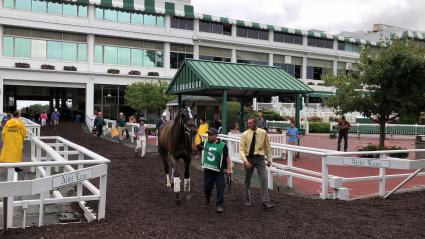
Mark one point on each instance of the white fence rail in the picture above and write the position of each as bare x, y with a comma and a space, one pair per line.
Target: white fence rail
56, 162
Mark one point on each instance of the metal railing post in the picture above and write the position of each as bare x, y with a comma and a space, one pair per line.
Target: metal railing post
324, 194
382, 179
290, 165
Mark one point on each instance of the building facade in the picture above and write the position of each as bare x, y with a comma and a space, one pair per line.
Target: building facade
87, 51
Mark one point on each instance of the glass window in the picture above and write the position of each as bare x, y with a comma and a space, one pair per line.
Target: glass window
69, 51
99, 13
124, 17
278, 37
173, 60
98, 54
136, 57
8, 3
159, 59
298, 39
204, 26
54, 7
82, 11
22, 47
263, 35
136, 18
160, 21
23, 4
189, 24
227, 29
110, 55
149, 58
182, 23
54, 50
123, 56
82, 52
174, 22
70, 10
149, 20
252, 33
288, 38
241, 32
39, 6
38, 49
217, 28
110, 15
7, 46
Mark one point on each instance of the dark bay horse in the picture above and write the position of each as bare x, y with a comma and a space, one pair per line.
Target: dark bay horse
175, 143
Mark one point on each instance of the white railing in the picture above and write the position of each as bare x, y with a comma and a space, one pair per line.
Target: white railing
57, 162
330, 157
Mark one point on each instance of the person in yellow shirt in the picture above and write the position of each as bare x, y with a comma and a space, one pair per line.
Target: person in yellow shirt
13, 135
255, 152
203, 128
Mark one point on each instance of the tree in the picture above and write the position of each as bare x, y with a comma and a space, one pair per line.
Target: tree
391, 83
147, 96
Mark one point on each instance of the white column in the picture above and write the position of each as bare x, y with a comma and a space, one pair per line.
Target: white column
304, 76
234, 60
167, 50
90, 52
167, 23
90, 97
1, 40
335, 67
234, 30
271, 36
270, 59
1, 95
196, 50
335, 44
196, 27
91, 13
305, 41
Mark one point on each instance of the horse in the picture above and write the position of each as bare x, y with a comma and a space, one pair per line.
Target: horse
176, 141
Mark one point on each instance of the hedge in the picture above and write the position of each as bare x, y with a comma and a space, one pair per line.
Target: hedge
319, 127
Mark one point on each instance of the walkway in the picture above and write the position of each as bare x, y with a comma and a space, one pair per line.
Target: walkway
139, 206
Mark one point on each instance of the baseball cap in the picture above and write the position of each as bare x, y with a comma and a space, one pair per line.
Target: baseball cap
212, 131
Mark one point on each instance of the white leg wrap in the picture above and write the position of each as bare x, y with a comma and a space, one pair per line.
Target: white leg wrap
168, 180
187, 185
177, 182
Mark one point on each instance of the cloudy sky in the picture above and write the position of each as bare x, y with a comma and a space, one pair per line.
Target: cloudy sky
332, 16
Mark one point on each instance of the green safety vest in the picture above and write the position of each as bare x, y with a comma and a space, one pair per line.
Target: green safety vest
212, 156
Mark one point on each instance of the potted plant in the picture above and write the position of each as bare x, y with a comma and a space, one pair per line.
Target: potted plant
113, 71
134, 73
47, 67
70, 68
153, 73
310, 83
22, 65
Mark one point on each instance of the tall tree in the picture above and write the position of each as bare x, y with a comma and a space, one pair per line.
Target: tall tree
391, 83
147, 96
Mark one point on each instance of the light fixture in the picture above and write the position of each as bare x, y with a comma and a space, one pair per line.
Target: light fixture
109, 94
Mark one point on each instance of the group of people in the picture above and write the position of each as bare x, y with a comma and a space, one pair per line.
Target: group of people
54, 118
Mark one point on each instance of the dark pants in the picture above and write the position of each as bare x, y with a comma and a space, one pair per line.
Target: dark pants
345, 136
99, 130
257, 162
210, 178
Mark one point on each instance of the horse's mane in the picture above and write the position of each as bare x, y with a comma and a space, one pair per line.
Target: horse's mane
177, 129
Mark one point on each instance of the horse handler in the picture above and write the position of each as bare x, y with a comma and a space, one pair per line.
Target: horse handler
216, 162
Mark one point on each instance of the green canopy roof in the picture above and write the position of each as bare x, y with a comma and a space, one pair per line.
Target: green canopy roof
209, 78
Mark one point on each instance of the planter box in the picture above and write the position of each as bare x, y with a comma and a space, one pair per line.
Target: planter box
113, 71
22, 65
47, 67
153, 73
70, 68
134, 73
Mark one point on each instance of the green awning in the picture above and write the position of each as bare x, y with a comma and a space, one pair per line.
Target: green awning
298, 32
106, 3
206, 17
255, 25
128, 4
150, 6
240, 23
170, 9
320, 94
224, 20
209, 78
270, 27
188, 11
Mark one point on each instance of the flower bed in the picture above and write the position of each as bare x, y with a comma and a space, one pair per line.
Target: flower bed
373, 147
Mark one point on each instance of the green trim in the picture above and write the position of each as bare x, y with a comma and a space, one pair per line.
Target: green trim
170, 9
224, 20
150, 6
207, 17
106, 3
188, 11
240, 23
298, 32
311, 34
323, 35
270, 27
255, 25
128, 4
320, 94
285, 30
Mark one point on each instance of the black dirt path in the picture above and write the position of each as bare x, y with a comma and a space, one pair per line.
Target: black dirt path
140, 206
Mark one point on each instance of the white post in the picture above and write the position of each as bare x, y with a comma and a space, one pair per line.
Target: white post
335, 67
90, 52
196, 50
290, 165
234, 58
91, 13
304, 68
90, 98
167, 52
10, 174
382, 178
234, 30
271, 59
324, 194
41, 210
307, 127
102, 199
167, 23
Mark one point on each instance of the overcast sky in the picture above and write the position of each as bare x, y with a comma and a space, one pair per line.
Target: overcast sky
332, 16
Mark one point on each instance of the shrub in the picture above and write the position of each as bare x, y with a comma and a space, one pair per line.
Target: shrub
271, 115
315, 119
319, 127
373, 147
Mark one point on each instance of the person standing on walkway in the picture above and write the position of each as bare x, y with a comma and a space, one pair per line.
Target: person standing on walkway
293, 137
55, 118
121, 123
43, 118
261, 122
216, 162
13, 135
255, 152
99, 123
141, 134
343, 127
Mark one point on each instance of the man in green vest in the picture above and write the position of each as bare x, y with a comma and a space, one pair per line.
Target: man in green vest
216, 162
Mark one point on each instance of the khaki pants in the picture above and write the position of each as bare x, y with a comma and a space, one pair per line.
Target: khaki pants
121, 130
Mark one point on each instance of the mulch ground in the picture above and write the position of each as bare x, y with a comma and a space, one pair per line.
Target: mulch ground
140, 206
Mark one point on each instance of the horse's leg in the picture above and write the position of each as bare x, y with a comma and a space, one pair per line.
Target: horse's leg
164, 157
187, 161
176, 180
